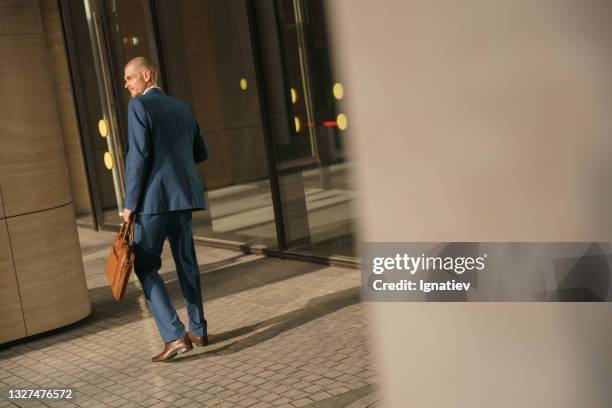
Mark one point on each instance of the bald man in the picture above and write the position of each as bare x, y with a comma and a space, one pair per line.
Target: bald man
162, 189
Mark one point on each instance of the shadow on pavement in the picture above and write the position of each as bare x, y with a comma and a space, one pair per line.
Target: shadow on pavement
362, 397
218, 280
266, 329
217, 283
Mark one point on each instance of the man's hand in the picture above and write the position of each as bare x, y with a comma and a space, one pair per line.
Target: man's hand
127, 214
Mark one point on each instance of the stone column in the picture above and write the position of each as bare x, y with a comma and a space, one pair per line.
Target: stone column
42, 280
485, 121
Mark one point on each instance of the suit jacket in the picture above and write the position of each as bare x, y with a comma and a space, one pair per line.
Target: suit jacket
164, 145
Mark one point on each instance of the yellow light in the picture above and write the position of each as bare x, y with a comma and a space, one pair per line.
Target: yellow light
103, 127
298, 124
294, 95
108, 160
243, 84
338, 90
342, 121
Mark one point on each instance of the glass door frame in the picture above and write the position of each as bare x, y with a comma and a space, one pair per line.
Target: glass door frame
98, 35
109, 87
79, 98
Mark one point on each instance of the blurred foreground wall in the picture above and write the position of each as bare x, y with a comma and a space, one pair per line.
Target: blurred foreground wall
483, 121
42, 282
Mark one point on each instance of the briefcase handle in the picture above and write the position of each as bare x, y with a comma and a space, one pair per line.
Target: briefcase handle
125, 228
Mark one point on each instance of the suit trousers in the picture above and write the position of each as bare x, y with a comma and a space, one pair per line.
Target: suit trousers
150, 232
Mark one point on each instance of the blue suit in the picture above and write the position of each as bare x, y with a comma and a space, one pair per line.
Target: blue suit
162, 189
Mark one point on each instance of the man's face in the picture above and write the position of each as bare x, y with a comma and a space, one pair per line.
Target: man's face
136, 79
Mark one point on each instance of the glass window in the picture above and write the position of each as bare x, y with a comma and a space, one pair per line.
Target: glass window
208, 62
316, 194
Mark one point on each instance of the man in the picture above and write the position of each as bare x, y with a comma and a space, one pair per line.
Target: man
162, 189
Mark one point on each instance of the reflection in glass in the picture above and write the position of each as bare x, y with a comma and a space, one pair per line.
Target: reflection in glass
108, 160
338, 91
130, 34
59, 49
206, 47
207, 60
316, 194
342, 121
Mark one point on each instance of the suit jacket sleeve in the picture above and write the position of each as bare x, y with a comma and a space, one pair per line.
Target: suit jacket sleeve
200, 147
138, 153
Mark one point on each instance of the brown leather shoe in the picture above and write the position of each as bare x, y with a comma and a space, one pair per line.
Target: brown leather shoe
172, 348
199, 341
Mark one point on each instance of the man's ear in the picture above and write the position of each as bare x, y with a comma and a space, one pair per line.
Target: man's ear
146, 74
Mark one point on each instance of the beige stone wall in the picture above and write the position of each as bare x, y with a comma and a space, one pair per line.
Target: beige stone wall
483, 121
58, 61
42, 283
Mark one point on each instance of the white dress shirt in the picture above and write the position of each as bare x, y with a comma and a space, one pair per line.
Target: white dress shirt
149, 88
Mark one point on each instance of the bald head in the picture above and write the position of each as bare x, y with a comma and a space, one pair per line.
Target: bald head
139, 74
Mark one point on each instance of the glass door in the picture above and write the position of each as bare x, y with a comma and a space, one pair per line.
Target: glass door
119, 30
108, 123
259, 78
208, 62
203, 50
308, 127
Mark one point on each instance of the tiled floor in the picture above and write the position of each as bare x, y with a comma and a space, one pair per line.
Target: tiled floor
284, 333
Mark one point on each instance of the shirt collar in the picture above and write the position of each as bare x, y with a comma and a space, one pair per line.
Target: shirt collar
149, 88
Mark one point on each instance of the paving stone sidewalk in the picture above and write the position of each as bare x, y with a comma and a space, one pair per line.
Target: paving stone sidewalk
283, 333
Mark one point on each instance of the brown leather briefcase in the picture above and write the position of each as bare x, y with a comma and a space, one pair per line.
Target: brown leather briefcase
120, 260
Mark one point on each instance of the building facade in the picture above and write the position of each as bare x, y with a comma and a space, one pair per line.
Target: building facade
259, 77
42, 280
